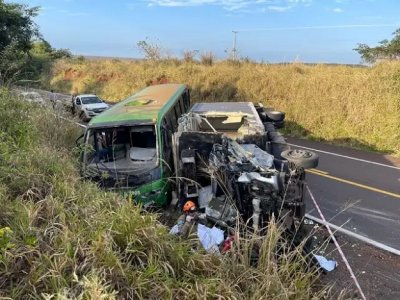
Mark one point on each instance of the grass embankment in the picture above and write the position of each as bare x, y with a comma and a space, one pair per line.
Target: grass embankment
63, 238
357, 107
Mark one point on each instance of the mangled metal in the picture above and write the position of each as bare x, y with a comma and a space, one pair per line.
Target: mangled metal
230, 162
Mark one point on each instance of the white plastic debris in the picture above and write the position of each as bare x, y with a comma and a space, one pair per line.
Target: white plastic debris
174, 229
210, 238
205, 195
327, 265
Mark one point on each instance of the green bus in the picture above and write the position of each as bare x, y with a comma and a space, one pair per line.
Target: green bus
127, 148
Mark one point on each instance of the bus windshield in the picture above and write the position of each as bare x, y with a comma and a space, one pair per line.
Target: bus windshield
122, 150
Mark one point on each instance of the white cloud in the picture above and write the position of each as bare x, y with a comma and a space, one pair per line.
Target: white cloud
337, 10
234, 5
279, 8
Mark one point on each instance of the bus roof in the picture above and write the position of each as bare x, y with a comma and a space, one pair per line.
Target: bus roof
142, 107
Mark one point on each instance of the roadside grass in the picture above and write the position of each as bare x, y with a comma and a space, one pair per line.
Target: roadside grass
354, 106
63, 238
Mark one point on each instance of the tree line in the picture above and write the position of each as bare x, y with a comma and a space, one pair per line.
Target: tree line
386, 50
24, 53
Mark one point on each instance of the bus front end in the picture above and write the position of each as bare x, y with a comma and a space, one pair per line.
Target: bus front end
126, 159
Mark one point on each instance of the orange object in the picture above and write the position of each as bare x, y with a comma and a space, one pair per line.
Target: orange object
189, 205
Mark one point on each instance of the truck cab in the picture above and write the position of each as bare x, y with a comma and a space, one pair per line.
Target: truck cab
235, 166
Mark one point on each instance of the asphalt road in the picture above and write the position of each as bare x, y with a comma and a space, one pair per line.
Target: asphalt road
360, 195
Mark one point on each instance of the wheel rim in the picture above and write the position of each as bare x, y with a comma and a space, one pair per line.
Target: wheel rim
296, 154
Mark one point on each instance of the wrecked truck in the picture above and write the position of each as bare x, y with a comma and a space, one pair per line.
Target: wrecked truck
230, 159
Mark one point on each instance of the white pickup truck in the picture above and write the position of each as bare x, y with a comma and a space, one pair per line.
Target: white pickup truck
87, 106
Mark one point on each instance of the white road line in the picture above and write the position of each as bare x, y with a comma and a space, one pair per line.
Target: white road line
344, 258
349, 157
354, 235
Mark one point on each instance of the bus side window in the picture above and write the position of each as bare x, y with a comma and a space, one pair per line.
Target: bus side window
166, 133
166, 143
181, 105
177, 109
176, 115
186, 100
172, 119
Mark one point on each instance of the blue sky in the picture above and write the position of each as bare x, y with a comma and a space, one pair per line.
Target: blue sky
268, 30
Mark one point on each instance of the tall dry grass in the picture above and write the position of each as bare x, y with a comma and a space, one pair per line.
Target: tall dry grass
63, 238
359, 107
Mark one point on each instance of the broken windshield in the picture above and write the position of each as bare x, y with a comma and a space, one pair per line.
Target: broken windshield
122, 149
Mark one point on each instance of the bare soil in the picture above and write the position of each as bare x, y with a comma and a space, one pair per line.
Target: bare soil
377, 271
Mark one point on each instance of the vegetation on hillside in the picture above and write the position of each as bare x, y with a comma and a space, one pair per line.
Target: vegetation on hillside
63, 238
24, 55
353, 106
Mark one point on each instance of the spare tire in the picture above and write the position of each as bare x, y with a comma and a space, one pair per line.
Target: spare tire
269, 127
275, 136
279, 124
275, 115
301, 158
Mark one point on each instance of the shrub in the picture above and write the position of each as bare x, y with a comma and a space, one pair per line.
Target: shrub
207, 58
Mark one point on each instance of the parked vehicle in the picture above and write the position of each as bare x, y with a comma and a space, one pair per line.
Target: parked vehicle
236, 167
88, 106
128, 147
33, 97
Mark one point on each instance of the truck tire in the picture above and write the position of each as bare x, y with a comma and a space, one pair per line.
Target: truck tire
278, 147
275, 116
269, 127
301, 158
275, 136
279, 124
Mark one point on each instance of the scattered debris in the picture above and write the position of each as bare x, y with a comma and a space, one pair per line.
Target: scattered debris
326, 265
210, 238
228, 161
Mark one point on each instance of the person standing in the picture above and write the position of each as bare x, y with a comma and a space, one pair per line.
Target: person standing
73, 104
53, 99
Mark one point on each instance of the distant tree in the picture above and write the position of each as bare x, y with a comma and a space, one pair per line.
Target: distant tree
41, 47
151, 50
386, 49
61, 53
207, 58
17, 29
189, 55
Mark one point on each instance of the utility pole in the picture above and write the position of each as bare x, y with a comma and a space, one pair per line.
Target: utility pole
234, 50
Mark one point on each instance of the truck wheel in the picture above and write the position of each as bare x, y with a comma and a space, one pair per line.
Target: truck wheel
276, 116
301, 158
269, 127
279, 124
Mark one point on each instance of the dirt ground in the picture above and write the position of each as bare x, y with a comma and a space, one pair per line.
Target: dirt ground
377, 271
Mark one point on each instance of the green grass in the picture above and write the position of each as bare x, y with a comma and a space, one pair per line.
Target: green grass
357, 107
63, 238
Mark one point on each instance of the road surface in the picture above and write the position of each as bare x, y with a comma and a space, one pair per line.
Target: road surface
357, 190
